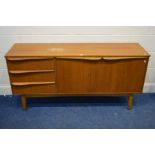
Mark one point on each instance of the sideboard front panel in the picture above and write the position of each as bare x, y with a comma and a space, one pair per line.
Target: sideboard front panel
101, 76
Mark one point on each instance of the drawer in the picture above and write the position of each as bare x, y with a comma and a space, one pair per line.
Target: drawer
30, 88
32, 76
34, 63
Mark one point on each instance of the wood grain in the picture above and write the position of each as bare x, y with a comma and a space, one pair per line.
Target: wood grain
23, 99
30, 71
30, 83
27, 76
77, 69
75, 76
27, 58
130, 100
34, 89
76, 49
33, 64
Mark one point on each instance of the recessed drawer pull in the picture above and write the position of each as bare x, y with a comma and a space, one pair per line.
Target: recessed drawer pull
120, 58
30, 71
81, 58
30, 83
26, 59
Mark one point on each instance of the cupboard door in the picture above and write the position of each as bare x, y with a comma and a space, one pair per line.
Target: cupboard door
101, 76
73, 76
118, 76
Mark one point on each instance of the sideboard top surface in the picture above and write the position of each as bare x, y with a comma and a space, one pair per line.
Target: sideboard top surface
77, 49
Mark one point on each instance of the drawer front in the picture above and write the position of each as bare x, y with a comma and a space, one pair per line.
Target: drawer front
33, 89
32, 76
30, 64
103, 76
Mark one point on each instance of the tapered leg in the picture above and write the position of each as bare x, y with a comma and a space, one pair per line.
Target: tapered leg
130, 100
23, 99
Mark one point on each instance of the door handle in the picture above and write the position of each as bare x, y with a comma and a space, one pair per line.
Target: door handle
81, 58
27, 59
120, 58
30, 71
31, 83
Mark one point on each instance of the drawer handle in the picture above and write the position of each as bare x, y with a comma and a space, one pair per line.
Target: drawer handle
81, 58
30, 83
30, 71
26, 59
120, 58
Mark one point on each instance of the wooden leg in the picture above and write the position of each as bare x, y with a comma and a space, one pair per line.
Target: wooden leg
23, 99
130, 98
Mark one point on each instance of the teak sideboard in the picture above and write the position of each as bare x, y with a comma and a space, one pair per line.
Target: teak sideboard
48, 69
